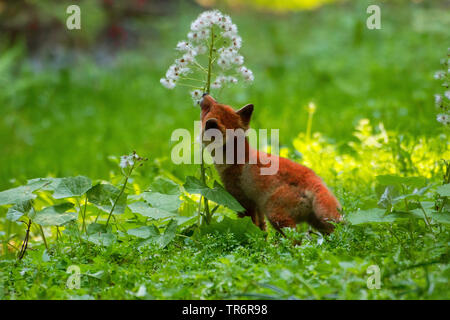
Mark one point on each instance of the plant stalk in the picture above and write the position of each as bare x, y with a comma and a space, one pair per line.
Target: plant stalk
118, 197
43, 237
202, 165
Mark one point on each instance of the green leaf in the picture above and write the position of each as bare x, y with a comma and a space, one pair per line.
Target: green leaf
162, 240
22, 193
165, 186
72, 187
100, 275
18, 210
144, 209
386, 200
101, 239
50, 183
393, 180
242, 228
55, 215
58, 208
97, 228
377, 215
218, 194
103, 197
184, 221
441, 217
161, 201
169, 234
444, 191
144, 232
194, 185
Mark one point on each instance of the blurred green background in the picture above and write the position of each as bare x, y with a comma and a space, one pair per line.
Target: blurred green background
70, 99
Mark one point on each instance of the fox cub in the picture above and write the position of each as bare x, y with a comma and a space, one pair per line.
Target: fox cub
292, 195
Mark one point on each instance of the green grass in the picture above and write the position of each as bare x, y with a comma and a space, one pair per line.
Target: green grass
71, 121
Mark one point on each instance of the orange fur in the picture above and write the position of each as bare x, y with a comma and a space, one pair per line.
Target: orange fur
294, 194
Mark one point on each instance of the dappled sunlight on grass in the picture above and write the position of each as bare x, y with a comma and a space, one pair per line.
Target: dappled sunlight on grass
370, 154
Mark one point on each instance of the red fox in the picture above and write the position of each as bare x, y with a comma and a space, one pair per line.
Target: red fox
292, 195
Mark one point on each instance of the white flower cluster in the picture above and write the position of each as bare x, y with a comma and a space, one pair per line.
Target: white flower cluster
442, 102
199, 42
127, 160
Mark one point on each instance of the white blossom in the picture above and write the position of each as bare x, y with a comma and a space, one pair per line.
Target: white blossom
236, 42
201, 49
238, 59
169, 84
444, 119
196, 96
183, 46
223, 63
447, 94
232, 79
247, 74
439, 75
437, 99
199, 41
126, 161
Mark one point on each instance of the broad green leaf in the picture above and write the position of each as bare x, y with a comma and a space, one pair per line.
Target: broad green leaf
387, 198
169, 234
444, 191
22, 193
218, 194
51, 183
194, 185
101, 239
388, 180
97, 228
97, 275
18, 210
144, 209
242, 228
161, 201
366, 216
162, 240
72, 187
45, 256
144, 232
165, 186
58, 208
55, 215
377, 215
103, 197
51, 219
441, 217
186, 221
428, 204
222, 197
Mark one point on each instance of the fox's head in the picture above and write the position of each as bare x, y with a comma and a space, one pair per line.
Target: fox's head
222, 117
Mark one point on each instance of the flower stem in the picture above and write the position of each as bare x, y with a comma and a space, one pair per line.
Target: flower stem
193, 79
83, 227
188, 85
202, 165
120, 194
211, 48
43, 237
311, 110
23, 249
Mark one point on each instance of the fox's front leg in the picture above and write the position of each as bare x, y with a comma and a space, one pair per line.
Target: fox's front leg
257, 218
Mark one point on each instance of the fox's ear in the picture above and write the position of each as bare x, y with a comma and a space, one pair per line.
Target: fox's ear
207, 102
211, 124
245, 113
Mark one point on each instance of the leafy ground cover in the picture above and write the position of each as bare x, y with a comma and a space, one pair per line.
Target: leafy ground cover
136, 234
